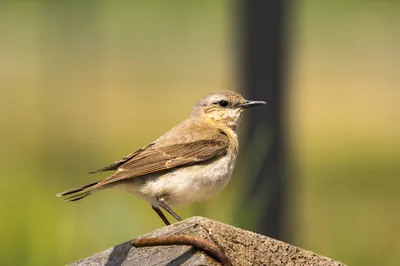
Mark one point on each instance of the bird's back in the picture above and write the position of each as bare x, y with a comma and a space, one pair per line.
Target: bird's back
194, 182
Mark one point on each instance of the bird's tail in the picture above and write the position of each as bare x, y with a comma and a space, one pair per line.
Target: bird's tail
75, 194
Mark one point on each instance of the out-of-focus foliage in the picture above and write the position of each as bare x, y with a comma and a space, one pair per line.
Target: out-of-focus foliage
345, 129
86, 83
82, 85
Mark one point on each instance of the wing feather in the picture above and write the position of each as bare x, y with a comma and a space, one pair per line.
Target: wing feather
117, 164
166, 154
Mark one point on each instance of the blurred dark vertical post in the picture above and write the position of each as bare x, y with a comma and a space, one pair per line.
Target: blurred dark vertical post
262, 26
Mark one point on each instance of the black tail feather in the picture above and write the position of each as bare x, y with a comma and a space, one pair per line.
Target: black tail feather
77, 197
76, 190
79, 193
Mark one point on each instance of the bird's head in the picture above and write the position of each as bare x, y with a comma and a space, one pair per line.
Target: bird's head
224, 108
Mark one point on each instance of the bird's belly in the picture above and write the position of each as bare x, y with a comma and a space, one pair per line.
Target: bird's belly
189, 184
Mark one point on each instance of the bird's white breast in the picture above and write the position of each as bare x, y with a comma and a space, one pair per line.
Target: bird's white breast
185, 185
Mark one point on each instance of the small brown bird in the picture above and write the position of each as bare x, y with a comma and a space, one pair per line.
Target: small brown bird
187, 164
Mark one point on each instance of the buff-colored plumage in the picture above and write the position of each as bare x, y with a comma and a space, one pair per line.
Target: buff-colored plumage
187, 164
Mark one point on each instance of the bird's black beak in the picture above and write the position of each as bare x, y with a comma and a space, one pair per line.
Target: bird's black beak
249, 104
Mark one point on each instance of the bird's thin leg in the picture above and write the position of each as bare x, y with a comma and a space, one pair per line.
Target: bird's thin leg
161, 214
163, 205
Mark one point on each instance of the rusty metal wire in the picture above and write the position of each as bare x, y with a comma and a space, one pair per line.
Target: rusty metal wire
200, 244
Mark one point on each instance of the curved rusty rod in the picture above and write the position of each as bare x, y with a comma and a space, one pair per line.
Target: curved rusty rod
203, 245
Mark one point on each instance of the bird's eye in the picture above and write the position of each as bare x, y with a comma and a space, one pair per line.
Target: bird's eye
223, 103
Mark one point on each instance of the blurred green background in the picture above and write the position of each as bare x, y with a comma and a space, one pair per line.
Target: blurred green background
86, 82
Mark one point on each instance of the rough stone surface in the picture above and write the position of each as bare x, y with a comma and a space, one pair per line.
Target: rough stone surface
240, 246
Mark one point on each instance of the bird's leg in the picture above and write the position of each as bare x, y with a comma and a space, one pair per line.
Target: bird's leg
161, 214
163, 205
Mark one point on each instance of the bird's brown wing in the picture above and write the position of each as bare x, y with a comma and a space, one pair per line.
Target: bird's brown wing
117, 164
156, 158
